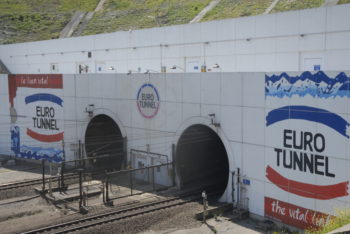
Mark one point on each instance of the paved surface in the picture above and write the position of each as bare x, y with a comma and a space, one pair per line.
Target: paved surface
269, 9
18, 173
73, 24
328, 3
220, 225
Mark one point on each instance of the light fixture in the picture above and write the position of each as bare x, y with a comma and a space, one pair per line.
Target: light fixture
212, 120
90, 109
216, 65
148, 71
174, 67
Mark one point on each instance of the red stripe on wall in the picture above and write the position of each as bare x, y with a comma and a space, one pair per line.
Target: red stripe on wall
45, 138
53, 81
320, 192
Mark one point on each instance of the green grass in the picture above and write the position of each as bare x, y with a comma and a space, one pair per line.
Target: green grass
342, 218
31, 26
29, 20
136, 14
33, 20
290, 5
344, 2
237, 8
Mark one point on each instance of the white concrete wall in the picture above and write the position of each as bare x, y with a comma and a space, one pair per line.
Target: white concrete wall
245, 110
289, 41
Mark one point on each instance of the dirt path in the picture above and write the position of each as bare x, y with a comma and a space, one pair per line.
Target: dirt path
269, 9
201, 14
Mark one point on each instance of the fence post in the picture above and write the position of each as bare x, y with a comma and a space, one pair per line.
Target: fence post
50, 178
80, 189
174, 157
43, 175
153, 180
107, 191
63, 186
131, 185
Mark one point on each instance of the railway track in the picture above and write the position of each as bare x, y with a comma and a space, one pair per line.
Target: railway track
21, 184
100, 219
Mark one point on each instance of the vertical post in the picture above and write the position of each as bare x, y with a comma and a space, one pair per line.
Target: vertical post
50, 179
103, 193
107, 192
148, 176
80, 188
204, 196
153, 179
125, 152
131, 185
233, 187
63, 151
173, 156
62, 175
238, 184
43, 172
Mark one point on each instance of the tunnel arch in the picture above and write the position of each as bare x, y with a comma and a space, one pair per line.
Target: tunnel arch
104, 139
201, 159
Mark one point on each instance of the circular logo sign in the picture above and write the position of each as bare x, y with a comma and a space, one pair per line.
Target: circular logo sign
148, 100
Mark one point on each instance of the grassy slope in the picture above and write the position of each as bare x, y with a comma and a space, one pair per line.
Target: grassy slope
344, 1
131, 14
32, 20
289, 5
237, 8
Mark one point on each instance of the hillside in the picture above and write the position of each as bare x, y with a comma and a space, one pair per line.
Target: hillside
31, 20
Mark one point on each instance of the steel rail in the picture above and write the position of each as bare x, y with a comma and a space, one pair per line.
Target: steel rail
113, 216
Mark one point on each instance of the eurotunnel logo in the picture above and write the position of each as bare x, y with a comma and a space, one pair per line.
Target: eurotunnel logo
42, 113
44, 118
302, 150
148, 101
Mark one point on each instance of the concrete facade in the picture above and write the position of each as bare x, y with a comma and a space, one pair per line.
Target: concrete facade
312, 39
286, 132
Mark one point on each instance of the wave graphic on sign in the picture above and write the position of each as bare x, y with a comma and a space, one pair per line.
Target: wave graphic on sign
313, 114
45, 137
38, 153
321, 192
44, 97
316, 85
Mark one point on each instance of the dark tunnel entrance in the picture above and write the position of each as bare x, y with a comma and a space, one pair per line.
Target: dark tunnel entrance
103, 139
201, 159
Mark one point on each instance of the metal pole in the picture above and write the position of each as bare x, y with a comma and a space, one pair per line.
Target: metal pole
107, 192
50, 179
125, 152
153, 180
103, 193
233, 187
43, 171
173, 156
238, 184
131, 185
204, 195
62, 175
80, 188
